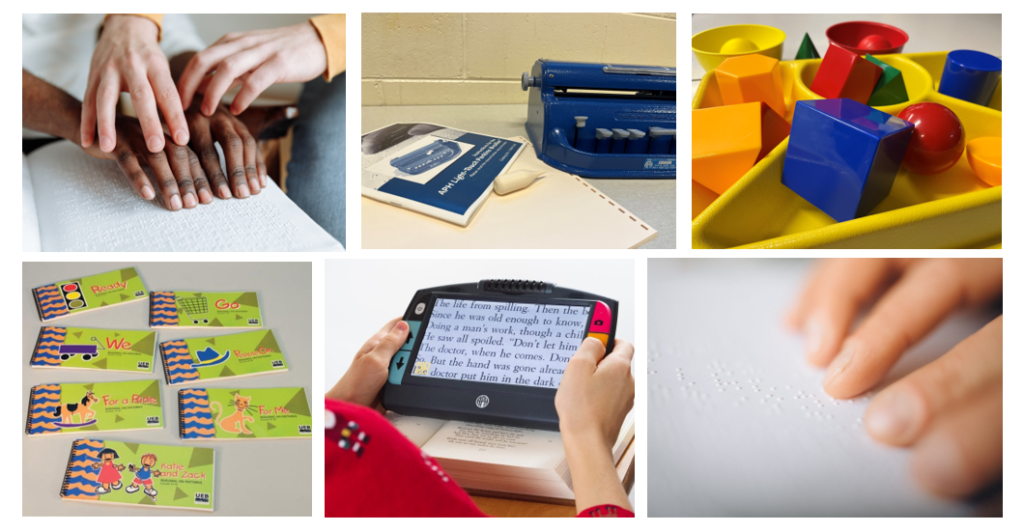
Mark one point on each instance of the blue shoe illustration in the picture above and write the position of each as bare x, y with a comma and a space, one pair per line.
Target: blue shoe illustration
210, 357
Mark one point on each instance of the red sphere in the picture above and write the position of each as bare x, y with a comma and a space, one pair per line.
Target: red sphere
938, 139
874, 42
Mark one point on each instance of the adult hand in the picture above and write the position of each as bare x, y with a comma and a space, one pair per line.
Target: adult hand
178, 173
365, 378
248, 173
254, 59
128, 58
949, 411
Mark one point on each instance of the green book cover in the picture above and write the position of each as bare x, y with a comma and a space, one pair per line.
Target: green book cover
205, 309
75, 296
221, 357
63, 408
244, 413
161, 476
103, 349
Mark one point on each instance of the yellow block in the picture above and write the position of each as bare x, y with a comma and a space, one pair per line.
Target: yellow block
726, 141
751, 78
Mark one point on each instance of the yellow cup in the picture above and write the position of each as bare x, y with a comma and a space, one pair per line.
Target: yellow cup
707, 45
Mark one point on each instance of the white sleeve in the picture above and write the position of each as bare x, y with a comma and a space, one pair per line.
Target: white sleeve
179, 35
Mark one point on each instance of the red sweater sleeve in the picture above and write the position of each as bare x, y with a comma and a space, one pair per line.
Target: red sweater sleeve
606, 510
372, 470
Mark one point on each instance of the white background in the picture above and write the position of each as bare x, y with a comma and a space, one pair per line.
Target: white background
11, 496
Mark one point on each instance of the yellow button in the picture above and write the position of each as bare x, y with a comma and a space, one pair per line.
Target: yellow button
74, 295
600, 336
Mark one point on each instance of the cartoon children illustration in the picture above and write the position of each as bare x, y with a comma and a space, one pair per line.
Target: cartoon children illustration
110, 473
144, 476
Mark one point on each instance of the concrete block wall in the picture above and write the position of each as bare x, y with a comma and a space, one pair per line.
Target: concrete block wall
478, 58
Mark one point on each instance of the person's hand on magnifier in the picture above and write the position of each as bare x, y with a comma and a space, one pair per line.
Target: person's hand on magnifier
255, 60
365, 378
950, 410
128, 58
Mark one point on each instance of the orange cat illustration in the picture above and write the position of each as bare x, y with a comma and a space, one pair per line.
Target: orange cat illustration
235, 423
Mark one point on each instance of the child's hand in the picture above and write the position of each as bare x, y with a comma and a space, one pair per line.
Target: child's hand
365, 378
950, 411
596, 393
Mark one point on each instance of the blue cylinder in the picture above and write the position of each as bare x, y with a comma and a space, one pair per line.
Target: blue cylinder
971, 76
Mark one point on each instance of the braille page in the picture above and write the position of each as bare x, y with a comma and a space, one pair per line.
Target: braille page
739, 423
86, 204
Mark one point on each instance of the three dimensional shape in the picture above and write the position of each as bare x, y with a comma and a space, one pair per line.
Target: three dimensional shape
807, 49
751, 78
971, 76
729, 140
843, 155
844, 74
890, 89
938, 139
985, 155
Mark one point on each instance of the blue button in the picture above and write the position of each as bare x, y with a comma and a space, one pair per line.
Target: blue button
397, 369
414, 329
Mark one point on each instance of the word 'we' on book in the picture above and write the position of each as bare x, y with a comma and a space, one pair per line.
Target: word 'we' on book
98, 349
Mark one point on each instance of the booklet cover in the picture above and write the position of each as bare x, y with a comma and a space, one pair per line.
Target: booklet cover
434, 170
221, 357
102, 349
63, 408
205, 309
233, 413
75, 296
139, 474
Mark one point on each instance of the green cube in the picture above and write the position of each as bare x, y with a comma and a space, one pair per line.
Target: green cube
890, 89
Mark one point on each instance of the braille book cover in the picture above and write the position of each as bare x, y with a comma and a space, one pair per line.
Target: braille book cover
75, 296
244, 413
205, 309
98, 349
100, 406
164, 476
221, 357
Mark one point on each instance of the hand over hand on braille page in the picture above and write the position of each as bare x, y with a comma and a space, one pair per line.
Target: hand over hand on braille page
740, 423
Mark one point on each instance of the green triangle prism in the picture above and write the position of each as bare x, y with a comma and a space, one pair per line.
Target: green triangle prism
807, 49
890, 89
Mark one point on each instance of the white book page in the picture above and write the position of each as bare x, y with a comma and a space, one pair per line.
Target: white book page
739, 423
416, 429
29, 217
493, 444
85, 204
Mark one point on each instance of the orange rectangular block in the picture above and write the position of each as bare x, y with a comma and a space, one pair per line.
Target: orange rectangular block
729, 140
751, 78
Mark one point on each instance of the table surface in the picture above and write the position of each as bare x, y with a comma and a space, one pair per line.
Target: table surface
928, 33
280, 486
653, 200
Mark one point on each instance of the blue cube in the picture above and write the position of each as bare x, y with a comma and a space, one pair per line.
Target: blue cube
843, 155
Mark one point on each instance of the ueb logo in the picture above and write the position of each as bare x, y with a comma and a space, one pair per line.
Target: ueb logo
483, 401
202, 498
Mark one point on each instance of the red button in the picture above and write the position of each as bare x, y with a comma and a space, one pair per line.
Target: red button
71, 287
602, 320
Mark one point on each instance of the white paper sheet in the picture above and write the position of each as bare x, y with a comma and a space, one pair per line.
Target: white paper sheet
85, 204
739, 423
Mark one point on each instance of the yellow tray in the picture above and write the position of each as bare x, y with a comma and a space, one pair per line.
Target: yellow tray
953, 209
